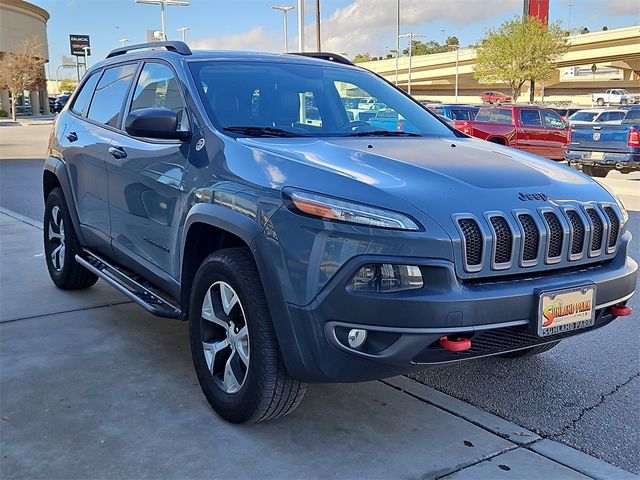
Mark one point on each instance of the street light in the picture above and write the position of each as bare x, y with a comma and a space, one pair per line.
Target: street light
86, 58
443, 40
183, 31
284, 9
396, 53
301, 25
457, 47
163, 4
123, 42
410, 36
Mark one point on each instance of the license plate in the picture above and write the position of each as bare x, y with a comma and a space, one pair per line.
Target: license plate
565, 310
597, 155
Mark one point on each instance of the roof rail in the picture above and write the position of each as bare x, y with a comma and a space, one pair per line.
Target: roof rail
331, 57
174, 46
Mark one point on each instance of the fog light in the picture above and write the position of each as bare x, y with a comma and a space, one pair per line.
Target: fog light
386, 277
356, 337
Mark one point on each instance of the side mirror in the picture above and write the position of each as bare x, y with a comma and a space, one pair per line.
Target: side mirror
160, 123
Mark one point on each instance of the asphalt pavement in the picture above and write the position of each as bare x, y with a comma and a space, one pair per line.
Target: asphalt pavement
584, 393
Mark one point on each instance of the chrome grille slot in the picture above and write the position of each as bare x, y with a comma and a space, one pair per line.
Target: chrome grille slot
472, 239
503, 241
531, 238
614, 230
596, 229
555, 235
578, 232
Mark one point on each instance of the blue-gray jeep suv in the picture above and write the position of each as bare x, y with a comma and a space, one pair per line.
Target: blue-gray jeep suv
250, 195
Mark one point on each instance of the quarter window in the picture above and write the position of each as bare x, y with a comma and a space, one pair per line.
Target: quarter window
157, 87
110, 94
83, 98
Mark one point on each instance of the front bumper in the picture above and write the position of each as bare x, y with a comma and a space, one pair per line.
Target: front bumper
612, 161
404, 328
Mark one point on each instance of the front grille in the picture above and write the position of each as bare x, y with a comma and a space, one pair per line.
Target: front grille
503, 240
556, 234
614, 229
472, 237
531, 237
577, 239
536, 238
596, 226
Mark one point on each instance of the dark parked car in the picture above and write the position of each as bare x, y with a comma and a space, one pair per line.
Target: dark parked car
566, 112
336, 251
60, 102
456, 112
494, 97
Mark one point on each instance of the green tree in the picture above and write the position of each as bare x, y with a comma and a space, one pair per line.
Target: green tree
362, 57
519, 51
67, 85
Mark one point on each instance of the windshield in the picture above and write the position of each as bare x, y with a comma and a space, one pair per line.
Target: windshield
583, 116
287, 99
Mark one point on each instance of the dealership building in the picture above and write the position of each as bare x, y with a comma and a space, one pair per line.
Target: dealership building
19, 21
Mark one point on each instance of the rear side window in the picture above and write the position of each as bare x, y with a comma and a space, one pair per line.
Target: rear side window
157, 87
83, 98
632, 115
110, 94
530, 117
484, 115
501, 115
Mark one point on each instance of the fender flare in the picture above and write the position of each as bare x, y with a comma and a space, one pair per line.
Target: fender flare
58, 168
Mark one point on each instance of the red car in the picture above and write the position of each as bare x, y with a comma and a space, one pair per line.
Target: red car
536, 130
494, 97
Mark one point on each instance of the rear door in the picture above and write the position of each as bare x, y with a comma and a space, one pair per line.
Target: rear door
146, 179
531, 133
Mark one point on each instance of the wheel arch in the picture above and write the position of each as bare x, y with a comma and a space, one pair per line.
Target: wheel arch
498, 140
55, 175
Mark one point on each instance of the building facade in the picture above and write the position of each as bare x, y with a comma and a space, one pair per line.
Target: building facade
19, 21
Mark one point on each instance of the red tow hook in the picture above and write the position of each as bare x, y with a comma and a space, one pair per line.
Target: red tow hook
620, 310
455, 344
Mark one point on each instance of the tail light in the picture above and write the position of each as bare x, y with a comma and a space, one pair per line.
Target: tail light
464, 127
633, 140
569, 136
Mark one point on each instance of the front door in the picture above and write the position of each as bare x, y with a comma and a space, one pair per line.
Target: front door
556, 133
146, 179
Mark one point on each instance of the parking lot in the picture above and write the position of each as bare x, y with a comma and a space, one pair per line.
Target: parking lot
91, 386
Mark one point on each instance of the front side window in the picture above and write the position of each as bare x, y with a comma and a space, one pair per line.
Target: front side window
461, 114
83, 98
290, 99
110, 94
157, 87
552, 119
530, 117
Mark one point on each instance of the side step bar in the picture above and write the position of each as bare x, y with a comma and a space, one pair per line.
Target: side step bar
143, 295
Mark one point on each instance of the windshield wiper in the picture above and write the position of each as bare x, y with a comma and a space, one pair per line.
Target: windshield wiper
384, 133
262, 131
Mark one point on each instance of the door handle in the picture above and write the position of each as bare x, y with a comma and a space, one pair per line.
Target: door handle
117, 152
72, 136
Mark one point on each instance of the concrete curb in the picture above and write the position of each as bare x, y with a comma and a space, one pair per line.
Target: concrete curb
21, 218
554, 451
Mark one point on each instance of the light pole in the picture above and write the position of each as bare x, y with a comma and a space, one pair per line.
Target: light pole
410, 36
443, 40
284, 9
183, 31
163, 4
301, 25
86, 58
396, 53
457, 47
318, 25
569, 4
123, 42
397, 38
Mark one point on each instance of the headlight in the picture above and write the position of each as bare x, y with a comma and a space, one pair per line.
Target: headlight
386, 277
329, 208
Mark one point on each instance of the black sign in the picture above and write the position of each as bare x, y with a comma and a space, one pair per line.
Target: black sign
77, 42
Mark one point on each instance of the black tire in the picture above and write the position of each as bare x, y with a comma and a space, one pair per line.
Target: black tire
267, 391
597, 172
529, 352
600, 102
67, 274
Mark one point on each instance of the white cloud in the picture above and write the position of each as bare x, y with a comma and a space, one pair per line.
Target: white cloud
622, 7
369, 25
255, 39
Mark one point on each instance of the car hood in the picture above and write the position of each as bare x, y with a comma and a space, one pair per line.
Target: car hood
433, 174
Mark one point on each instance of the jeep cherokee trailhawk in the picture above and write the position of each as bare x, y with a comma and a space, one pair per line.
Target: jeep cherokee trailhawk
234, 191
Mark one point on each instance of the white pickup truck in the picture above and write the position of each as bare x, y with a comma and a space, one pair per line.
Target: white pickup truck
615, 96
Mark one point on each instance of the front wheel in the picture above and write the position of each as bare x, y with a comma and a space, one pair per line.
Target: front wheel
233, 342
600, 102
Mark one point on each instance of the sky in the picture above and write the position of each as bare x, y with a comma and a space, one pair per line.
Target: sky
348, 26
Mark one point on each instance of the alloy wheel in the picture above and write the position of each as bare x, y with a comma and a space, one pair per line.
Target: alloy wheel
56, 238
225, 337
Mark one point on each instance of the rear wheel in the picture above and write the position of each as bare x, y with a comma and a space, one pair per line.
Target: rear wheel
529, 352
233, 342
592, 171
61, 246
600, 102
